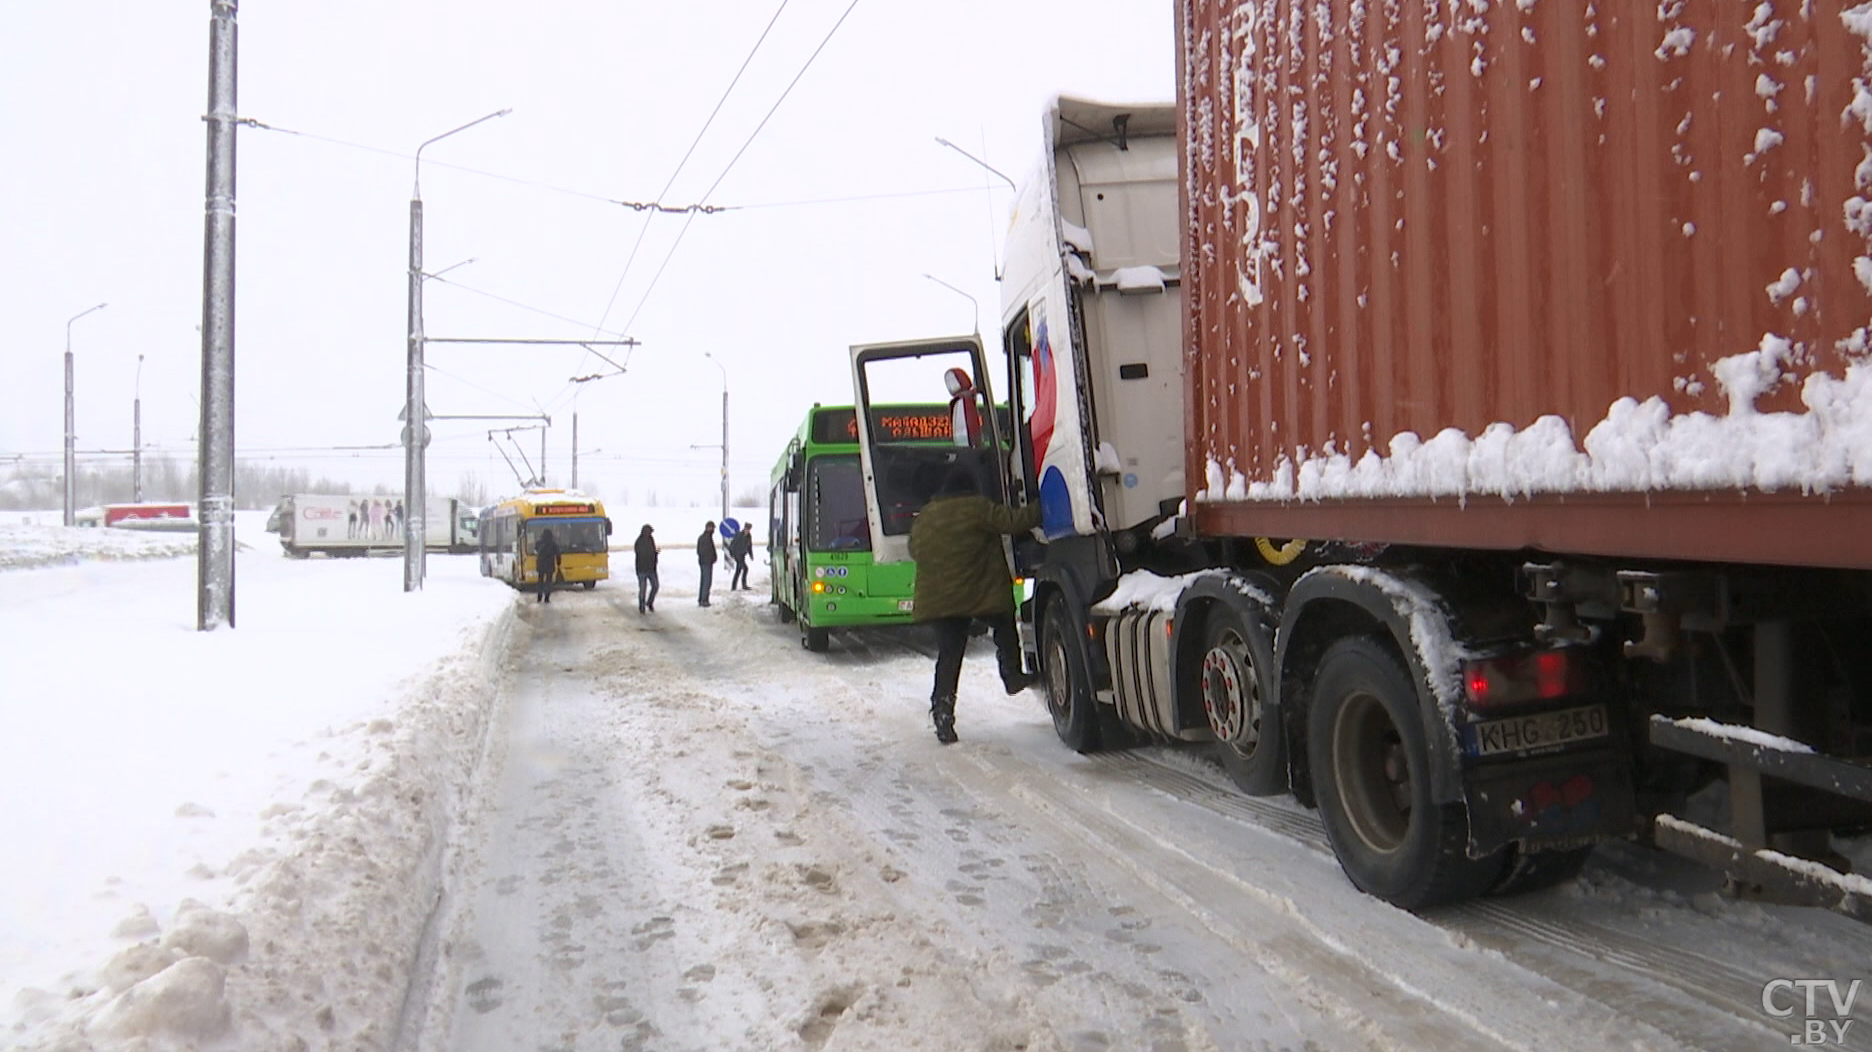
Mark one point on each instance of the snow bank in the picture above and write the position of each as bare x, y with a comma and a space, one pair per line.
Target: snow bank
228, 839
24, 545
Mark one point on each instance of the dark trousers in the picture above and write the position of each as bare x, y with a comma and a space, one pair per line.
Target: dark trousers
708, 578
952, 636
646, 590
739, 580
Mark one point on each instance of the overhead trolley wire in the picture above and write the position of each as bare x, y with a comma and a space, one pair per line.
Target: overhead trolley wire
645, 229
810, 59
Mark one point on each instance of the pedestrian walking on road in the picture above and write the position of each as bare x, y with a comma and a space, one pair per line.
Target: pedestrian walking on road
546, 564
705, 554
646, 570
962, 576
740, 548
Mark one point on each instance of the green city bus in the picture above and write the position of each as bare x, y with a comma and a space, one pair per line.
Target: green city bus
824, 575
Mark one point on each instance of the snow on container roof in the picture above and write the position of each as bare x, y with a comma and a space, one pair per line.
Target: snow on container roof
1591, 277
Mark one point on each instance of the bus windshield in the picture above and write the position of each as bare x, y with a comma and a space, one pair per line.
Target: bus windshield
838, 507
573, 535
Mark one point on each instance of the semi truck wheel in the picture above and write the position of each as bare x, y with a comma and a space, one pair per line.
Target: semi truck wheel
1237, 697
1068, 682
1371, 772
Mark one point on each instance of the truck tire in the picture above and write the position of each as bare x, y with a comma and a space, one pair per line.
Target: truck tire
1067, 680
1237, 684
1371, 772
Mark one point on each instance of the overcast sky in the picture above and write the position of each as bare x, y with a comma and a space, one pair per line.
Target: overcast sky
103, 184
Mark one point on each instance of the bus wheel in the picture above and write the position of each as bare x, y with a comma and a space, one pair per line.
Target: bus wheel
588, 585
785, 611
1068, 683
1238, 698
814, 639
1371, 771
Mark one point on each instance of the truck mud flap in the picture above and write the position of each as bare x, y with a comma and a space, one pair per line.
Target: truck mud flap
1558, 802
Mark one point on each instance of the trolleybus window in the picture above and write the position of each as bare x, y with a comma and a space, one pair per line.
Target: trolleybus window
838, 505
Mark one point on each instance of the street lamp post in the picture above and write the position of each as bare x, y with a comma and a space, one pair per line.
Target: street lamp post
724, 433
959, 292
71, 438
415, 411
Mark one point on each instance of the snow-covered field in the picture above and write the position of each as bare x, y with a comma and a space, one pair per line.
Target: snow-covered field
461, 820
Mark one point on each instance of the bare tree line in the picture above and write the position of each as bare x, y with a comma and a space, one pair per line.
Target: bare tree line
257, 485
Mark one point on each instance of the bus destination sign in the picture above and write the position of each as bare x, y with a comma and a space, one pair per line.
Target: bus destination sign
888, 424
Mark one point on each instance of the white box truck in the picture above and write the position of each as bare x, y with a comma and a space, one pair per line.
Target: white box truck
351, 526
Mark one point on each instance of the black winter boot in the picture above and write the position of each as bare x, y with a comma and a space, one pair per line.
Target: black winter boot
942, 714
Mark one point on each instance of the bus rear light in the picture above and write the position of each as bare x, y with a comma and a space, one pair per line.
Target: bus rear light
818, 587
1512, 679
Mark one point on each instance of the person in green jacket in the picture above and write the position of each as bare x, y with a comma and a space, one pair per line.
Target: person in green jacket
962, 576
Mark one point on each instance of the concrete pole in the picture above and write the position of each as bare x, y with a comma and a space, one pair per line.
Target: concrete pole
71, 434
215, 549
415, 407
415, 422
71, 454
136, 437
724, 449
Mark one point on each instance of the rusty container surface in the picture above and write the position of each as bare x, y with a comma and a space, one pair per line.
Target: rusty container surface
1642, 221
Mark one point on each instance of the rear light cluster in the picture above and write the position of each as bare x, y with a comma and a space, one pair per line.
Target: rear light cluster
1512, 679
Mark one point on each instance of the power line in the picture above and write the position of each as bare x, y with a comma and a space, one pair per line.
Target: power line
636, 206
645, 229
810, 59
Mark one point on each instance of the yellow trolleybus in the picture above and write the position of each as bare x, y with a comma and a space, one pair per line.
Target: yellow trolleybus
510, 532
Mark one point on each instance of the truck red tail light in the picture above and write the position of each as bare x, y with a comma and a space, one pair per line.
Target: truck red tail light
1512, 679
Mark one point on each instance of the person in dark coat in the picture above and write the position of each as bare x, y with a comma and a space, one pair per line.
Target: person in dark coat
546, 564
646, 570
705, 554
962, 576
740, 548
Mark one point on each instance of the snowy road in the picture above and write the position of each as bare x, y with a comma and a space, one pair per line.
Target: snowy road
695, 835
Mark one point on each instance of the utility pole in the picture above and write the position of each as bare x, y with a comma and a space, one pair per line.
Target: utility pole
415, 409
214, 605
575, 449
136, 437
71, 434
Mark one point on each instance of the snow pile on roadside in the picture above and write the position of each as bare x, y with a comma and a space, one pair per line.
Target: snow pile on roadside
23, 546
337, 922
229, 839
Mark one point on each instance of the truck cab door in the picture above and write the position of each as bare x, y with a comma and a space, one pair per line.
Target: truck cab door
908, 397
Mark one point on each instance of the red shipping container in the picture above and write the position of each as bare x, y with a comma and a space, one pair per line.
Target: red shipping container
1588, 277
